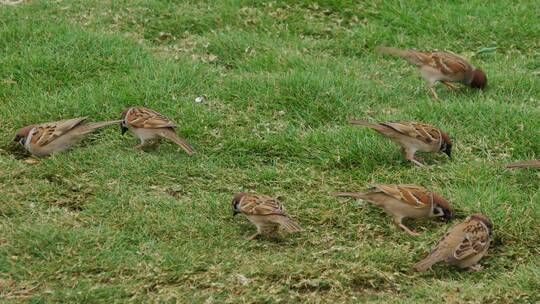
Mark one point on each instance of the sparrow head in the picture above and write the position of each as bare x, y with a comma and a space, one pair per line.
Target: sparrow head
123, 124
446, 144
484, 220
479, 79
22, 134
236, 202
441, 207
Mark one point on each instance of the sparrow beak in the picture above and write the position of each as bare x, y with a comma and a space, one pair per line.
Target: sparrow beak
20, 139
448, 152
448, 215
123, 129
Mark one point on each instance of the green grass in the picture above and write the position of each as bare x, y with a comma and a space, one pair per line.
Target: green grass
105, 223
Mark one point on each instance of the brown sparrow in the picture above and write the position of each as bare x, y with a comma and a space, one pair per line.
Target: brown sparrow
404, 201
412, 137
53, 137
149, 125
524, 164
263, 211
445, 67
463, 246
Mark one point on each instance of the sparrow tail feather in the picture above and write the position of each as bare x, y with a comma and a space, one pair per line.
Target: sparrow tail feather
288, 224
392, 51
524, 164
368, 124
171, 135
424, 264
358, 195
96, 125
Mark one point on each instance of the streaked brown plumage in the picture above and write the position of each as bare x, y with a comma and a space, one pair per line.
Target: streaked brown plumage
54, 137
445, 67
148, 124
404, 201
412, 137
463, 246
265, 212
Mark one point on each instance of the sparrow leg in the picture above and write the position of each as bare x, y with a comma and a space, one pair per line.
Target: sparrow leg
433, 92
257, 234
141, 145
449, 85
272, 230
403, 152
397, 221
409, 155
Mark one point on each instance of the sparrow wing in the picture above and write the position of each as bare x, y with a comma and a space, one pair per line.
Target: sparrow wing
416, 196
420, 131
46, 133
476, 240
146, 118
261, 205
448, 63
444, 248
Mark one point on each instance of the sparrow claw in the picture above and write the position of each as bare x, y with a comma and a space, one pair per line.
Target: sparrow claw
416, 162
253, 237
413, 233
434, 93
398, 222
449, 85
476, 268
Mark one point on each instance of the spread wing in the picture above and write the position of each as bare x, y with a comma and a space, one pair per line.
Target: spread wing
413, 195
146, 118
46, 133
420, 131
261, 205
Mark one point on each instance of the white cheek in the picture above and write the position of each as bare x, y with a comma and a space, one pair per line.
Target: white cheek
28, 139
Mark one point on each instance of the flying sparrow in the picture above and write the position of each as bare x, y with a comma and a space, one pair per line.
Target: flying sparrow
524, 164
412, 137
53, 137
263, 211
463, 246
445, 67
404, 201
150, 125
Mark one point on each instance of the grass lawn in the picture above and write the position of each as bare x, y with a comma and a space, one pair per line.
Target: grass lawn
104, 223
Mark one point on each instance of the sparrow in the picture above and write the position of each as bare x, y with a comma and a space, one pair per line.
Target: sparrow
463, 245
53, 137
404, 201
525, 164
265, 212
444, 67
412, 137
148, 124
